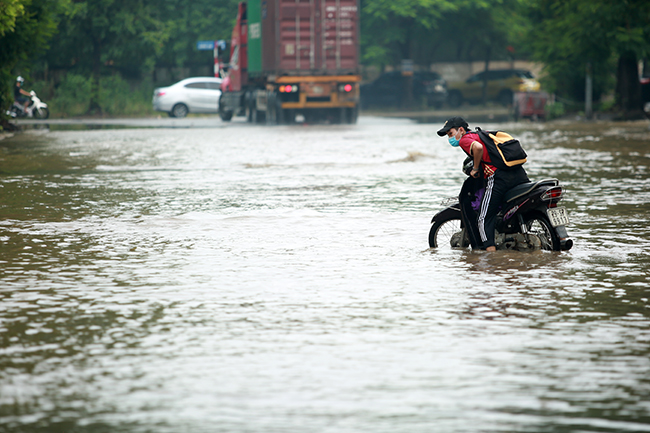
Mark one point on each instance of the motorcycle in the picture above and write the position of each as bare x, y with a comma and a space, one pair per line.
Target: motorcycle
529, 218
36, 108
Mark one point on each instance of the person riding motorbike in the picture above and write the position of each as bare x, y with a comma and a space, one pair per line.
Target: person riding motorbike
21, 96
497, 182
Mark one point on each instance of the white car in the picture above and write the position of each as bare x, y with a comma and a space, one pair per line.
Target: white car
191, 95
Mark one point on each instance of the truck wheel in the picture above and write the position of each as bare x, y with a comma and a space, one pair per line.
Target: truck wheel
270, 110
226, 116
279, 112
261, 116
351, 115
256, 116
249, 101
289, 116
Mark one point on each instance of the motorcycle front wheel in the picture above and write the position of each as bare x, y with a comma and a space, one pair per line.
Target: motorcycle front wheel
442, 232
540, 226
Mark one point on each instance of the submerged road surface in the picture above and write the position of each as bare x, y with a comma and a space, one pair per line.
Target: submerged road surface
232, 278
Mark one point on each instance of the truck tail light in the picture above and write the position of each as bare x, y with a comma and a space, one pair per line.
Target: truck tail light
347, 88
288, 88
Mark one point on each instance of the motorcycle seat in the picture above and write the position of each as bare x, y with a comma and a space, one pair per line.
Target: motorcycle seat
525, 188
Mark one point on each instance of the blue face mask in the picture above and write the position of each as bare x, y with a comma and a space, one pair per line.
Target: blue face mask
453, 141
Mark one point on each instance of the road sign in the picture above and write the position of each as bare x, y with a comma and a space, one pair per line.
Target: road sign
407, 67
205, 45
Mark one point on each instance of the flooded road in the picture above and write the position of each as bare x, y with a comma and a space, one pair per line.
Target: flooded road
278, 279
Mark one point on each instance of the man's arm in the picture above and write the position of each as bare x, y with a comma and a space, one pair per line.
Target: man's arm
476, 149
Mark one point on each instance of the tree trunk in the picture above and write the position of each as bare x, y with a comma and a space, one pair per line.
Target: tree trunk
408, 79
94, 106
628, 87
485, 75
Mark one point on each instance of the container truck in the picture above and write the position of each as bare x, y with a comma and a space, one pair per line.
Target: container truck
293, 57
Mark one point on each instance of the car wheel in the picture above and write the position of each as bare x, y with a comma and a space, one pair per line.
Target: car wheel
180, 110
226, 116
455, 98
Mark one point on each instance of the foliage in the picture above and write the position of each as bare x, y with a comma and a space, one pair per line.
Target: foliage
9, 11
72, 97
124, 35
104, 37
194, 21
567, 35
118, 97
439, 30
554, 110
390, 30
25, 28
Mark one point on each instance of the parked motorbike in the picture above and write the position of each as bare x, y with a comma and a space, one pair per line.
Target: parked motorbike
529, 219
36, 108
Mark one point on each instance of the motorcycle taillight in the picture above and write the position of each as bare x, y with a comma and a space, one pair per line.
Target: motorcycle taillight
553, 195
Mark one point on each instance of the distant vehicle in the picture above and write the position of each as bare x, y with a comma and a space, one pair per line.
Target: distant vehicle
36, 108
291, 59
191, 95
389, 90
501, 86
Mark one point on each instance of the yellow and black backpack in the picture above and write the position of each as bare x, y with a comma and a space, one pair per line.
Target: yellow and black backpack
505, 152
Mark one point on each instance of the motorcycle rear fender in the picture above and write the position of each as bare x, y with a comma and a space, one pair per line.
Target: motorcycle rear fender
451, 212
565, 241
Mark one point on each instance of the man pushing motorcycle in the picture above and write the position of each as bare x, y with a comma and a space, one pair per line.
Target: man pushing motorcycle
497, 182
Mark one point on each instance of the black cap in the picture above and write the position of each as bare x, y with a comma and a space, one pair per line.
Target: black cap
453, 122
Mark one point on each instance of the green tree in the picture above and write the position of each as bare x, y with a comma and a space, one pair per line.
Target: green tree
440, 30
480, 31
393, 30
103, 35
25, 29
195, 21
133, 37
569, 35
9, 11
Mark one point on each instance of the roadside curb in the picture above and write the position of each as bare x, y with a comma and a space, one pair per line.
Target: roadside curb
489, 114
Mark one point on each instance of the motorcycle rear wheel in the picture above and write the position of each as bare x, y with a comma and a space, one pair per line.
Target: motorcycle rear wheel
539, 225
442, 231
41, 113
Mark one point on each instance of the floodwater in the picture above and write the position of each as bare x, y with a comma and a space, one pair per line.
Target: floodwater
278, 279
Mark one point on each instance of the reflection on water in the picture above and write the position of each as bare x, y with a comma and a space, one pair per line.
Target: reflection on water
277, 279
